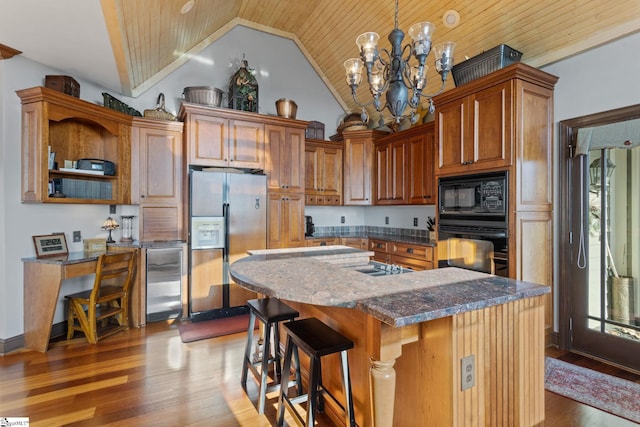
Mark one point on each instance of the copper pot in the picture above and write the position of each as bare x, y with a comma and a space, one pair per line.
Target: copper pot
286, 108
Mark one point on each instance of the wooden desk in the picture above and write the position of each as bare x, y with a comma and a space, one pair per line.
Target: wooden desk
43, 278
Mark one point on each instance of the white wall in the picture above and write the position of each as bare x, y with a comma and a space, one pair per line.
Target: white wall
282, 72
399, 216
598, 80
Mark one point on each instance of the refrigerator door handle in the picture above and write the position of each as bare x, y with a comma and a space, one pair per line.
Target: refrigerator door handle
257, 202
225, 213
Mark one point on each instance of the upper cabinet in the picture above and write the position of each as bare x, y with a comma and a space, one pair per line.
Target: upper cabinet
391, 172
218, 137
404, 171
323, 173
421, 149
358, 165
158, 175
285, 158
474, 130
73, 129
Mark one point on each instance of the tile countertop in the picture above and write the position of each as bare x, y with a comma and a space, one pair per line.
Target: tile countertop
328, 276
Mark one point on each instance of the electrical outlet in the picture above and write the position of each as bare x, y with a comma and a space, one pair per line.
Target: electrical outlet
467, 372
77, 236
112, 209
415, 222
342, 220
386, 220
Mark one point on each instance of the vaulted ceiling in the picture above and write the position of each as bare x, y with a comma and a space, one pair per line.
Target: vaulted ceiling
148, 39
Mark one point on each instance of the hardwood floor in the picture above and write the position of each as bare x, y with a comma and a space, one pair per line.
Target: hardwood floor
148, 377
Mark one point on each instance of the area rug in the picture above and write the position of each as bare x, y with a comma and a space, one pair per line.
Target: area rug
196, 331
605, 392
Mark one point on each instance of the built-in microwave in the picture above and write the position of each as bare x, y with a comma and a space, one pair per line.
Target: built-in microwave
477, 200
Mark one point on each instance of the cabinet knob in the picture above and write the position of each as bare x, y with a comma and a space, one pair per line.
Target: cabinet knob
409, 250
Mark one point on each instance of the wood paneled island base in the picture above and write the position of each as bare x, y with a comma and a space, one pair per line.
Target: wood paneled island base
409, 373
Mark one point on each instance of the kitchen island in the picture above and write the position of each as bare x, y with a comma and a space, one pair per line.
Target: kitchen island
413, 332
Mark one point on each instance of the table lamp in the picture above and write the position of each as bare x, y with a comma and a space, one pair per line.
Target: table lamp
110, 224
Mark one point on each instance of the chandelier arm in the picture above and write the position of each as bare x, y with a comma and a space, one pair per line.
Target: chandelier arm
354, 95
431, 95
382, 61
406, 47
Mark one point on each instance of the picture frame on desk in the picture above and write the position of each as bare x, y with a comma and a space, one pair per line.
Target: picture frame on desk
50, 245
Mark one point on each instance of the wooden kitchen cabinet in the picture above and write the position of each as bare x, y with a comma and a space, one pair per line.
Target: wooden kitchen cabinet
355, 242
475, 130
285, 160
328, 241
219, 137
158, 178
359, 166
73, 129
504, 121
405, 167
285, 220
323, 173
380, 249
408, 255
413, 256
391, 172
421, 148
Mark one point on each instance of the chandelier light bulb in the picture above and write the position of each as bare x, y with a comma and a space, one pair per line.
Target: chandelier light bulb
421, 35
368, 44
353, 67
444, 56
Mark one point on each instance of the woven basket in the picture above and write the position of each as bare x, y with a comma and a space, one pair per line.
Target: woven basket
159, 112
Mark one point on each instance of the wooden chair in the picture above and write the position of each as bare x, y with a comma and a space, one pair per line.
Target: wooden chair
107, 301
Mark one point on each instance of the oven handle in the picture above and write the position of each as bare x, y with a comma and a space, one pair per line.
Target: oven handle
479, 232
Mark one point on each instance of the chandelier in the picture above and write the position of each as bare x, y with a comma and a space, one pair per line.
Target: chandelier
394, 74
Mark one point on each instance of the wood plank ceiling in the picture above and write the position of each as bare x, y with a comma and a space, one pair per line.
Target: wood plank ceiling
151, 38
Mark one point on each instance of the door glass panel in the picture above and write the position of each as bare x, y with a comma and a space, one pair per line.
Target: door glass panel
614, 242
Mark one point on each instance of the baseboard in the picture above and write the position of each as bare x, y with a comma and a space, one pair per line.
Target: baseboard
11, 344
551, 340
15, 343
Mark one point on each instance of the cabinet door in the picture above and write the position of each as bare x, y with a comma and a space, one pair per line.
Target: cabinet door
285, 220
358, 168
160, 184
312, 174
331, 171
285, 164
490, 117
421, 170
208, 140
246, 144
160, 166
391, 176
452, 149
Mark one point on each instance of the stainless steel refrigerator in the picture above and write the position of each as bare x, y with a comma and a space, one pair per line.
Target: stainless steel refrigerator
228, 217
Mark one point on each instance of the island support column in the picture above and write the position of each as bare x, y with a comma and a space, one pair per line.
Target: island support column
384, 346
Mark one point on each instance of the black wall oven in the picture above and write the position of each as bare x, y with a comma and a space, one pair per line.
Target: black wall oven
473, 230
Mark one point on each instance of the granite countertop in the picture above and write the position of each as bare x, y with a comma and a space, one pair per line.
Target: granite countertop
82, 256
329, 276
391, 237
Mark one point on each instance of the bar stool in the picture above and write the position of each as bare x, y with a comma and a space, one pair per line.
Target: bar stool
315, 339
269, 311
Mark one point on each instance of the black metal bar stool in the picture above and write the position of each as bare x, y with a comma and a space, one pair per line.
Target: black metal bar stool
316, 339
270, 311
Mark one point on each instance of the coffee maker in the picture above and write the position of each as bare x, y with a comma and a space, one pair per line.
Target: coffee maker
309, 228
